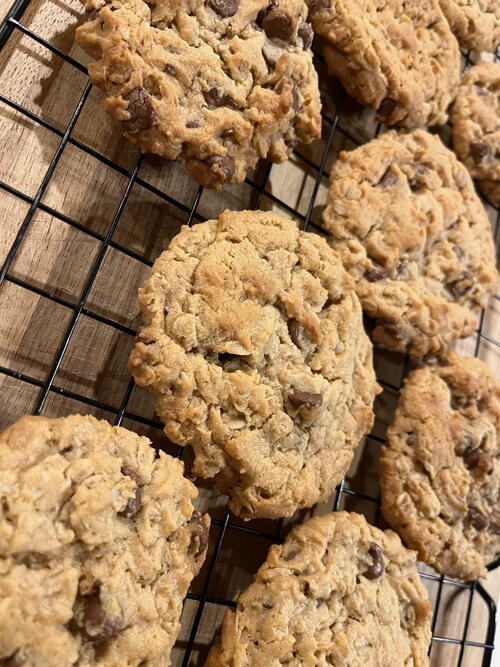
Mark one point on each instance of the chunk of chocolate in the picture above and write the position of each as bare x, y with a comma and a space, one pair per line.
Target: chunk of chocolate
385, 109
479, 461
134, 504
316, 6
170, 69
224, 8
199, 536
306, 34
388, 179
140, 110
377, 568
463, 284
96, 625
376, 274
216, 98
459, 251
480, 151
294, 330
305, 399
477, 519
275, 22
222, 164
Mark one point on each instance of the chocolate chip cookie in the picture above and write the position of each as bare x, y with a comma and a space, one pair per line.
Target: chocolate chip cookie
396, 56
98, 545
409, 227
476, 23
337, 592
475, 119
440, 470
254, 349
220, 83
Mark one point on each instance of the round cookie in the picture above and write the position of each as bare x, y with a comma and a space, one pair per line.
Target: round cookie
475, 23
98, 545
396, 56
337, 592
440, 470
254, 349
475, 120
403, 215
220, 83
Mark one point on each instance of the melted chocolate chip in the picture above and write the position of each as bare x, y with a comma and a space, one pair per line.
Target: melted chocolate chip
376, 274
305, 398
96, 625
192, 124
215, 98
275, 22
267, 604
224, 8
459, 251
463, 284
480, 151
306, 34
140, 110
134, 504
170, 69
377, 568
477, 519
294, 330
385, 109
478, 460
226, 165
199, 537
388, 179
317, 5
290, 555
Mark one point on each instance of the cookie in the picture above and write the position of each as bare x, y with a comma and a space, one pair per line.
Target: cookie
396, 56
475, 23
475, 120
337, 592
440, 470
99, 542
254, 349
404, 217
220, 83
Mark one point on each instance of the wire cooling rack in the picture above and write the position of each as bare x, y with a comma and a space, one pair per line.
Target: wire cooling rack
48, 352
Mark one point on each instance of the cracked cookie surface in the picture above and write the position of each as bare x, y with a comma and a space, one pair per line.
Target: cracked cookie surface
99, 542
396, 56
475, 23
220, 83
475, 120
337, 592
440, 470
254, 349
404, 217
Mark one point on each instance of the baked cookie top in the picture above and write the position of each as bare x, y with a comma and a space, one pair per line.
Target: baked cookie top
404, 217
220, 83
254, 349
337, 592
396, 56
98, 544
476, 23
440, 470
475, 120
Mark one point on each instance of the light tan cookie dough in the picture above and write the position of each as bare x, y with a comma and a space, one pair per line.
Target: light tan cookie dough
254, 349
476, 23
220, 83
396, 56
98, 545
440, 470
404, 217
475, 120
337, 592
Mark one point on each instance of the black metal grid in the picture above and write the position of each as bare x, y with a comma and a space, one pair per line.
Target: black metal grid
13, 23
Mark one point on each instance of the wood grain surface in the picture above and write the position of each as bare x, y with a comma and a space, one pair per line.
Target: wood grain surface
83, 288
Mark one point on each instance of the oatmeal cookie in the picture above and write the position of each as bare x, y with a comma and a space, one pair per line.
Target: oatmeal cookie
476, 23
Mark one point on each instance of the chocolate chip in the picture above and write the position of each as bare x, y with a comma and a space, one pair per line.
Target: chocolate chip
215, 98
375, 274
479, 151
275, 22
96, 625
411, 439
199, 536
306, 35
464, 283
134, 504
170, 69
317, 5
224, 165
459, 251
224, 8
290, 555
477, 519
305, 398
480, 91
385, 109
376, 569
388, 179
294, 330
478, 460
267, 604
140, 110
418, 170
192, 123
